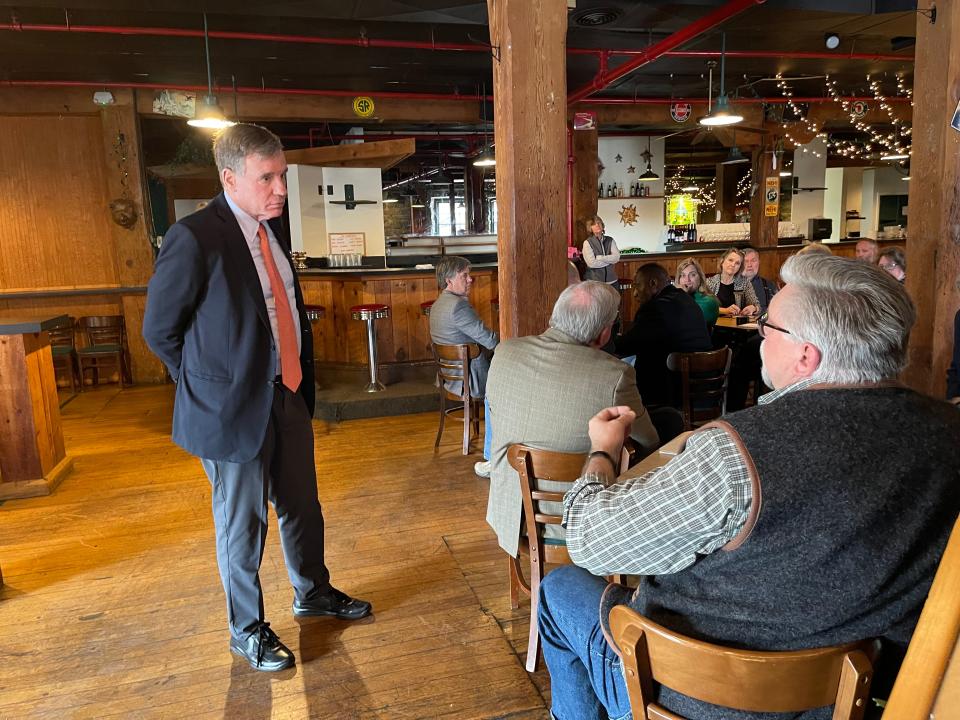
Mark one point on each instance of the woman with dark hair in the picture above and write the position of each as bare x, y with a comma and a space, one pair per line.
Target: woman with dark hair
894, 261
735, 293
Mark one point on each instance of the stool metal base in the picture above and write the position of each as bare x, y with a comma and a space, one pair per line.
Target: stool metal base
373, 387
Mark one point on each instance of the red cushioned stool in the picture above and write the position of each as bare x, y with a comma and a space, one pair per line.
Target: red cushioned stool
371, 313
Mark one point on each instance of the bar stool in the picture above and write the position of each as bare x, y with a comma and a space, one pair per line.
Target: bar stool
371, 313
425, 307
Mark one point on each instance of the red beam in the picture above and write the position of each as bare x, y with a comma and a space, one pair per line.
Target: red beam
651, 53
780, 100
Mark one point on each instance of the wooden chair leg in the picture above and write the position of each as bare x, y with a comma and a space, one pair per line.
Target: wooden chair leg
517, 583
466, 426
536, 575
443, 417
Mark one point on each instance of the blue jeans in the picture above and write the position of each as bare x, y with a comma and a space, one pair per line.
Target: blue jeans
487, 434
586, 677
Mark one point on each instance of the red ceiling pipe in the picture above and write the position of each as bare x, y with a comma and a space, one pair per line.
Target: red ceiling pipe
419, 44
414, 96
736, 101
232, 35
241, 90
651, 53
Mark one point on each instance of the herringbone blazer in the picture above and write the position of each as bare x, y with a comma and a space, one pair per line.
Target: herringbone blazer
543, 390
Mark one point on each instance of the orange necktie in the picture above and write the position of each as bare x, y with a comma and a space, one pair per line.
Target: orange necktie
289, 357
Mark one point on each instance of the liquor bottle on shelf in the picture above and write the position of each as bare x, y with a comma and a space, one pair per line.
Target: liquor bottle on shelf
609, 190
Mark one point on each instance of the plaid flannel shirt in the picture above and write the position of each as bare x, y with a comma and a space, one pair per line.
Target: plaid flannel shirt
660, 522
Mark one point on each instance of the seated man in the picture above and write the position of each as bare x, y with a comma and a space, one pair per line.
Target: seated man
894, 261
763, 288
544, 388
858, 479
868, 251
453, 321
668, 320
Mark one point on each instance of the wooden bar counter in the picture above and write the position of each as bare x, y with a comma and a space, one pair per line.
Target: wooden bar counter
33, 460
405, 336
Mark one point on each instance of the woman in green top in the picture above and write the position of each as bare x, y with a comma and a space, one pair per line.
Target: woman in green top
691, 279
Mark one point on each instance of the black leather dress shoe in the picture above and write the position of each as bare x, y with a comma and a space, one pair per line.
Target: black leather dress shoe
263, 650
333, 603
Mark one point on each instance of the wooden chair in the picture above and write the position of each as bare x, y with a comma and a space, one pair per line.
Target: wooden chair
747, 680
105, 346
63, 346
704, 377
453, 365
534, 465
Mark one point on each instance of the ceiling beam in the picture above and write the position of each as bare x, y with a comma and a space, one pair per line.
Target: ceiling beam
384, 154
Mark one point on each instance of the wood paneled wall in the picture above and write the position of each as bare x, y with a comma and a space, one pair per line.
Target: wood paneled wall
62, 166
405, 336
54, 222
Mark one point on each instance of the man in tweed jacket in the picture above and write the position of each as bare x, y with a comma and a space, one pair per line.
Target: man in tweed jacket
544, 388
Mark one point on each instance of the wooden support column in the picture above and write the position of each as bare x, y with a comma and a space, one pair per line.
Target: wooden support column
134, 253
585, 179
763, 230
530, 99
933, 250
726, 188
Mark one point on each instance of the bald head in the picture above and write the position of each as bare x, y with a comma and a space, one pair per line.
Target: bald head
868, 251
649, 281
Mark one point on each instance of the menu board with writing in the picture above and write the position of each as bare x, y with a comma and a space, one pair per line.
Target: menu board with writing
346, 243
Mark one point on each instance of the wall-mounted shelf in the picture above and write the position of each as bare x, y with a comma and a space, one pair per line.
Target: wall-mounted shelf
633, 197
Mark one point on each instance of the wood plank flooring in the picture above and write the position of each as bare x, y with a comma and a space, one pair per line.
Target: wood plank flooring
113, 608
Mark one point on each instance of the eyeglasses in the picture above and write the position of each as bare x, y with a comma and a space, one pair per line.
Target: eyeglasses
763, 323
888, 265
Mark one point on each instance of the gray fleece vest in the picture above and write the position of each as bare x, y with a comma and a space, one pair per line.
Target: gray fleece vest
605, 274
854, 497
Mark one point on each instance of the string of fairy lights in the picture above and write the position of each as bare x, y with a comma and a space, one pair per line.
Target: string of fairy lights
705, 195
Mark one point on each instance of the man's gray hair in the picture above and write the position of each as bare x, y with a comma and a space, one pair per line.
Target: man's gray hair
857, 315
584, 309
448, 268
234, 144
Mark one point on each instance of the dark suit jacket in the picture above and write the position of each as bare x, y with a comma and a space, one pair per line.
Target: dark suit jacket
670, 322
207, 320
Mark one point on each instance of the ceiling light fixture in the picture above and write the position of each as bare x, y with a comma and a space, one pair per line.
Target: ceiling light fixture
208, 114
895, 155
649, 175
689, 188
785, 173
721, 114
735, 157
486, 158
831, 40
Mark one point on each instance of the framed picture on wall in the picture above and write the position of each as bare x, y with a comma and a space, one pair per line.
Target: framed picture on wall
346, 243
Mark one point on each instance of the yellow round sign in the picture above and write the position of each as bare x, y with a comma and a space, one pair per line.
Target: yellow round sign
363, 106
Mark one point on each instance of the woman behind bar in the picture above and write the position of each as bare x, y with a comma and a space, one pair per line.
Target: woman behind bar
691, 279
735, 293
601, 254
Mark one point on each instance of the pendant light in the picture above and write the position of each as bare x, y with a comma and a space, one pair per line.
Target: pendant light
735, 157
209, 115
721, 114
649, 175
486, 158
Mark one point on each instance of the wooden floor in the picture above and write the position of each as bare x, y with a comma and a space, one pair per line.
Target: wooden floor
113, 608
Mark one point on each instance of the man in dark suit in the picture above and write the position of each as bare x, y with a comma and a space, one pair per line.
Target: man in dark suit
668, 320
225, 314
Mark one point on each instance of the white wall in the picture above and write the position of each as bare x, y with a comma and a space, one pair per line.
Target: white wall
312, 217
809, 171
832, 200
649, 232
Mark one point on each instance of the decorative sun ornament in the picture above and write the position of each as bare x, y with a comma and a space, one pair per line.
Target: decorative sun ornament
628, 215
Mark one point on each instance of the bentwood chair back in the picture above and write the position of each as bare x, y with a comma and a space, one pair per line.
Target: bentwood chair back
453, 366
747, 680
63, 347
704, 377
105, 346
533, 465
